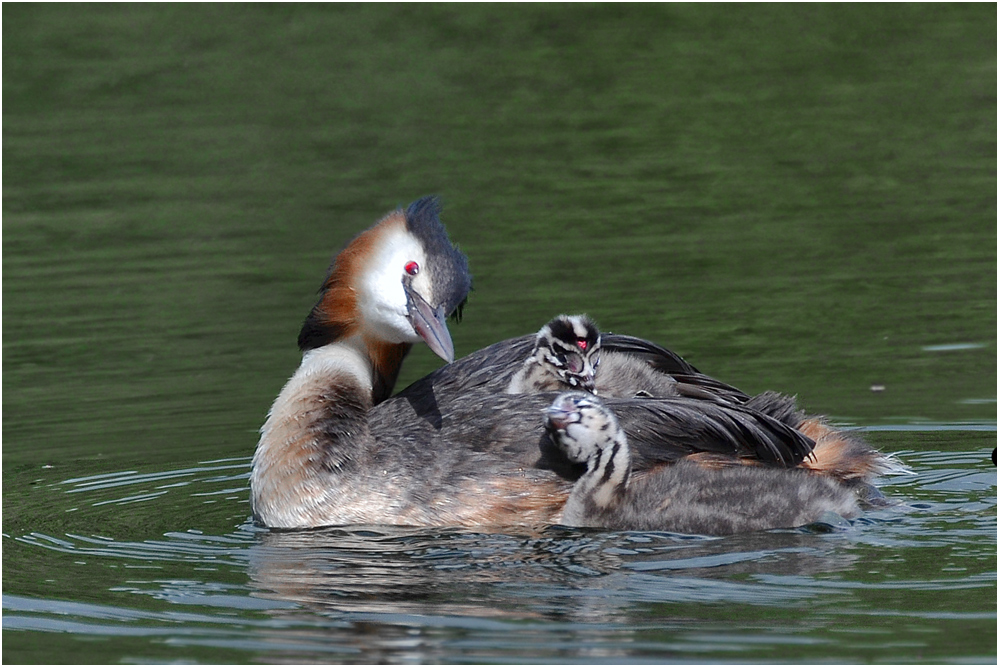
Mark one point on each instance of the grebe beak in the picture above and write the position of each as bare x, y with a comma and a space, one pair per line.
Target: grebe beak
429, 324
560, 416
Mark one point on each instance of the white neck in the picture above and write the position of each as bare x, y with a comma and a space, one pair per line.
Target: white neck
343, 362
287, 480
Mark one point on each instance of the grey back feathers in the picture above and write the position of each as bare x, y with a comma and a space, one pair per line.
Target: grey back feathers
685, 497
659, 431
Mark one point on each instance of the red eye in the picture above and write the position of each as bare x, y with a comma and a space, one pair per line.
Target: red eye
412, 268
581, 344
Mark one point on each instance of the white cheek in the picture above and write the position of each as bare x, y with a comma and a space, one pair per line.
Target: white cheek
382, 300
383, 309
422, 284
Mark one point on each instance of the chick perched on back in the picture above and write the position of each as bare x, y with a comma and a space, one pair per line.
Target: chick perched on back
566, 354
683, 497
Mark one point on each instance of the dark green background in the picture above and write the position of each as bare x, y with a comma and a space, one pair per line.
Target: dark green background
794, 197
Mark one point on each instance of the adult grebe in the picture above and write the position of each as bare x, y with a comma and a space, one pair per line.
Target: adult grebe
392, 286
453, 448
682, 497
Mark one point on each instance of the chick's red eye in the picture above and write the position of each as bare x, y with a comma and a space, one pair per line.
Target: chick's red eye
412, 268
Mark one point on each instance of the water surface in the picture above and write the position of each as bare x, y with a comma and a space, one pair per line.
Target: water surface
912, 582
793, 198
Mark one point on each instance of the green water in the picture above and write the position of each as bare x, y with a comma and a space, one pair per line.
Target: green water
800, 198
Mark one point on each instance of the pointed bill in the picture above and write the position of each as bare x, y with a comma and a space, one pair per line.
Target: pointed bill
429, 324
561, 415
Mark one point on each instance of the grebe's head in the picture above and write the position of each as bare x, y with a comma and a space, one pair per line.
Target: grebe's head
396, 282
569, 347
581, 425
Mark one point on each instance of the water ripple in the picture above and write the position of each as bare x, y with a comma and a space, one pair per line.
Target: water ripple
443, 594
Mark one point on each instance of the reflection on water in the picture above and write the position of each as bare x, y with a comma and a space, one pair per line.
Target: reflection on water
591, 585
726, 181
399, 571
393, 594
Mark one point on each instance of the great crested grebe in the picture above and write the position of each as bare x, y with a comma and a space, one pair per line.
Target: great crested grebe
566, 355
393, 285
682, 497
453, 448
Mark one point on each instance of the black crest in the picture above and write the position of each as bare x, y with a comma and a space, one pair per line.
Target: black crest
563, 331
448, 266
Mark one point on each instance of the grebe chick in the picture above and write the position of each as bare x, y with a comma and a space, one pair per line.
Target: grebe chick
683, 497
565, 356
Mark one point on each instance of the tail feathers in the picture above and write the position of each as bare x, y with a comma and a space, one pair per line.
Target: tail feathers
845, 456
837, 453
891, 465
